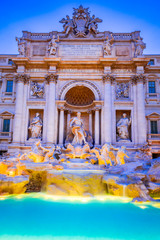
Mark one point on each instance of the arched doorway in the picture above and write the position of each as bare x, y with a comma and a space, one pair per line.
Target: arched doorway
79, 97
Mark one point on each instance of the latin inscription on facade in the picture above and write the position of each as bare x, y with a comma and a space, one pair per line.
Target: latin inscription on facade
80, 50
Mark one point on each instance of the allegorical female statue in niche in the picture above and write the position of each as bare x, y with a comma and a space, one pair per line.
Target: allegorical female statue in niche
122, 127
36, 127
76, 125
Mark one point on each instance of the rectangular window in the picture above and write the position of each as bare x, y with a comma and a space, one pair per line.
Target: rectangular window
152, 87
6, 125
9, 86
154, 127
151, 62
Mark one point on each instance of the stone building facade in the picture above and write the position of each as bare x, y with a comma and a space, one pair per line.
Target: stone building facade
100, 74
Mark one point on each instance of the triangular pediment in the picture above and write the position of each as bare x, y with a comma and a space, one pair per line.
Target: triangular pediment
6, 113
153, 115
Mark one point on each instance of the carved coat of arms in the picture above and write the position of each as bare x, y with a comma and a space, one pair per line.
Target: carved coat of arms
81, 24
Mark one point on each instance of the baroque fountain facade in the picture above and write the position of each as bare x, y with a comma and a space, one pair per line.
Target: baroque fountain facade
80, 113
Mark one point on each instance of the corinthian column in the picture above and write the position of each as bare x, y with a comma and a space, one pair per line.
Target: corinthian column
17, 127
61, 126
96, 126
107, 108
51, 80
141, 108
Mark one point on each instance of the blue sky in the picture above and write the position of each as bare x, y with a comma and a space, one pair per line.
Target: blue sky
44, 16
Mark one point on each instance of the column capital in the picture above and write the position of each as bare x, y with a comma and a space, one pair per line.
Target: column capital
138, 78
109, 78
61, 107
20, 77
51, 78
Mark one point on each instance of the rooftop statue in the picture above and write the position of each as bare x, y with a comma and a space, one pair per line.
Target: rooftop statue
139, 46
108, 45
52, 47
21, 47
81, 24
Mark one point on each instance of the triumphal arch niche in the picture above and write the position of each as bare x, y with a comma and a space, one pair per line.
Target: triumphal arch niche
101, 75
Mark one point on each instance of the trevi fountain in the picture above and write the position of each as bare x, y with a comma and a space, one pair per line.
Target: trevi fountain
80, 135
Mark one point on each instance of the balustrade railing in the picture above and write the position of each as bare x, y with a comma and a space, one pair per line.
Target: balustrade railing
152, 97
4, 135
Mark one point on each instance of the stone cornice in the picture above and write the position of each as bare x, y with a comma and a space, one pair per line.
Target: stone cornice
21, 77
51, 78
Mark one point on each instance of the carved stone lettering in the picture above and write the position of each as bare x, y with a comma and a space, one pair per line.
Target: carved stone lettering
80, 50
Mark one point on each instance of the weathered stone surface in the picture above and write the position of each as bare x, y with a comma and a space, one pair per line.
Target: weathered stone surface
13, 185
78, 183
154, 171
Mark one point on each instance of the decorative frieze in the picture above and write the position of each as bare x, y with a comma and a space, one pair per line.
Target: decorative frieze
37, 90
122, 90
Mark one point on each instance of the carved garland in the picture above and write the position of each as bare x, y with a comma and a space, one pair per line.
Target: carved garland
87, 82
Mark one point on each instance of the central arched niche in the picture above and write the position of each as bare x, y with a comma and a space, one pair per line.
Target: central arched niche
79, 96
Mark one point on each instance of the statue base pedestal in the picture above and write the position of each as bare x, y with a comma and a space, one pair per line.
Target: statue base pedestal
124, 141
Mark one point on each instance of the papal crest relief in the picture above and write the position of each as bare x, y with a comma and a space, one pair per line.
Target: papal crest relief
81, 23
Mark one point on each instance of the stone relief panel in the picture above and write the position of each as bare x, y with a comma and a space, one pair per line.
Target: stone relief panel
38, 50
122, 51
122, 90
37, 90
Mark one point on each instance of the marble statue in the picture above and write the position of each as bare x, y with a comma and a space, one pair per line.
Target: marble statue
108, 46
21, 47
76, 125
36, 127
41, 154
37, 90
92, 24
68, 25
103, 155
77, 151
52, 48
140, 46
122, 128
120, 156
81, 24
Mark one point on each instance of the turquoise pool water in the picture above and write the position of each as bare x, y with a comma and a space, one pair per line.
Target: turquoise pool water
39, 217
